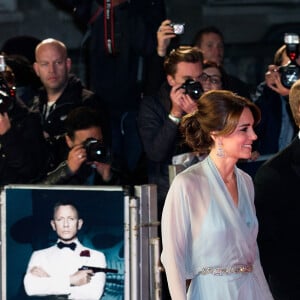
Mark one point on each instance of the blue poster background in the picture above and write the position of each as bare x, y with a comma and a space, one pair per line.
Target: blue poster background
28, 215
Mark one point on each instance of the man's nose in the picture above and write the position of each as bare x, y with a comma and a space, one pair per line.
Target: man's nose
51, 68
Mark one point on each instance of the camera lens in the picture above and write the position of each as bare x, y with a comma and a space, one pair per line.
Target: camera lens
193, 88
289, 74
96, 150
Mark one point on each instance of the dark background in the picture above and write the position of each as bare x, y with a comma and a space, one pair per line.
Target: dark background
253, 29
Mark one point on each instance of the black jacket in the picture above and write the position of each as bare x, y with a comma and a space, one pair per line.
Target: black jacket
236, 85
161, 139
22, 148
86, 175
278, 207
73, 96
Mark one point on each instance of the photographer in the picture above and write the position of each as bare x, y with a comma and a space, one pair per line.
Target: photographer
22, 145
88, 161
160, 115
277, 127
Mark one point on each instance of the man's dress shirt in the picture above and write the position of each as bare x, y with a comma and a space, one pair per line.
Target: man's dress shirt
60, 264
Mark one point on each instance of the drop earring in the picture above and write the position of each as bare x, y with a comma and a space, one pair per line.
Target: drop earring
220, 151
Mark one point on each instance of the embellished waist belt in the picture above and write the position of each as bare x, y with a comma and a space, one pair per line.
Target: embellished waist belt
219, 271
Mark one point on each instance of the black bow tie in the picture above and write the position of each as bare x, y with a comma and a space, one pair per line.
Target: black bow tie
61, 245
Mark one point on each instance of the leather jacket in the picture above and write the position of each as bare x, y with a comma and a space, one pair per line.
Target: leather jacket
23, 150
86, 175
74, 95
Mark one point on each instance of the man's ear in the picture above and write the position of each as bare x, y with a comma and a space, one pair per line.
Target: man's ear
53, 225
36, 69
171, 80
69, 141
69, 64
80, 223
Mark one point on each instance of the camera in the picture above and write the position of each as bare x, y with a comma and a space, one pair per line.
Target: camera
96, 150
6, 98
7, 94
192, 88
2, 63
290, 72
178, 28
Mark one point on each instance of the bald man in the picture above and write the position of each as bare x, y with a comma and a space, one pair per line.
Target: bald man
62, 91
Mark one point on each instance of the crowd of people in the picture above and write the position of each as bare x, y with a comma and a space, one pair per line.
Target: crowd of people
190, 112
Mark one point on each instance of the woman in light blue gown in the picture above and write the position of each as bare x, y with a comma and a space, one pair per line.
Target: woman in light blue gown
209, 226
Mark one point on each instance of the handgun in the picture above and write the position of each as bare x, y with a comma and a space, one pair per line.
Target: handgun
97, 269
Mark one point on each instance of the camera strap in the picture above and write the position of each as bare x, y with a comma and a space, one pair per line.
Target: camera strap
109, 25
98, 9
109, 38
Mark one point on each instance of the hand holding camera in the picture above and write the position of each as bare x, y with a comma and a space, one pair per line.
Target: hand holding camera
178, 28
281, 78
5, 123
91, 151
274, 82
192, 88
290, 72
164, 35
104, 169
184, 96
167, 31
76, 157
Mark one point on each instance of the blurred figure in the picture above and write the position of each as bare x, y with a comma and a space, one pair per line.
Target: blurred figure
23, 45
212, 77
25, 81
210, 41
19, 54
23, 154
277, 206
277, 127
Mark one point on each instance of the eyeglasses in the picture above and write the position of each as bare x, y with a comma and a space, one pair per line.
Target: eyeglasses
213, 79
